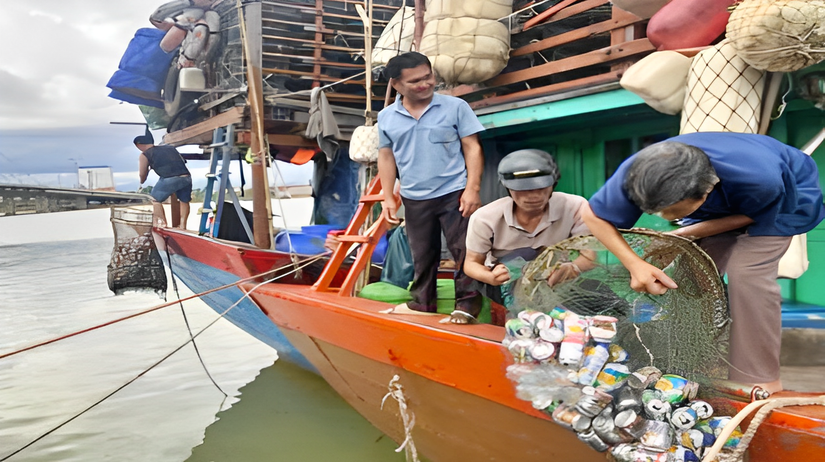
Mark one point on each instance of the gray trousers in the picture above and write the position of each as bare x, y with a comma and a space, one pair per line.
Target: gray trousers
751, 263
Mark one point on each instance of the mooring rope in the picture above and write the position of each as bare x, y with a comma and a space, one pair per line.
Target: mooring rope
164, 305
766, 406
396, 391
307, 261
186, 321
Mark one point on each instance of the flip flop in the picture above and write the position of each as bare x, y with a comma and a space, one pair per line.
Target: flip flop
459, 317
404, 309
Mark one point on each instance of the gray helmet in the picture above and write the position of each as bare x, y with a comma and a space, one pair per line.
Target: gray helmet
527, 169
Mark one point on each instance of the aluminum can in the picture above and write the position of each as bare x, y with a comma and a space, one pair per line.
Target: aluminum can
628, 398
635, 453
657, 437
656, 409
606, 429
683, 418
592, 402
703, 409
593, 440
631, 423
570, 418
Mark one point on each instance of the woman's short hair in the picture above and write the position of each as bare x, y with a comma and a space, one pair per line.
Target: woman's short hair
665, 173
409, 60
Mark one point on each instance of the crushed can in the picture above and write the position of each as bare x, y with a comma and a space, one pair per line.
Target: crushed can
612, 376
593, 440
657, 437
602, 329
703, 409
518, 329
606, 429
631, 423
572, 346
635, 453
592, 401
617, 354
683, 418
628, 397
570, 418
595, 357
656, 409
541, 351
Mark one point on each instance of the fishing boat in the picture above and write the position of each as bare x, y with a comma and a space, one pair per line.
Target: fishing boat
562, 87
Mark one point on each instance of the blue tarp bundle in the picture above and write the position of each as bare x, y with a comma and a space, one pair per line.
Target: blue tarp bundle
142, 70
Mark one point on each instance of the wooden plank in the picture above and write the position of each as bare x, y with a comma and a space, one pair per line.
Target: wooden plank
572, 36
182, 137
576, 9
546, 90
604, 55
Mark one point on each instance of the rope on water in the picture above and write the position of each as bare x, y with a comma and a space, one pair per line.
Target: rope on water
397, 393
305, 263
766, 406
186, 321
145, 371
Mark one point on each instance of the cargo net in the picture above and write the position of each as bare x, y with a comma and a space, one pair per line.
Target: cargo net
778, 35
724, 93
684, 331
135, 264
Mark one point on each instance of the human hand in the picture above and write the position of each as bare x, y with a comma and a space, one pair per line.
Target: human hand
389, 210
500, 274
565, 272
331, 242
470, 202
645, 277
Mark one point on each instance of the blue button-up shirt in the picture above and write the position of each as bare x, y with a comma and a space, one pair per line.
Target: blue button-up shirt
428, 151
772, 183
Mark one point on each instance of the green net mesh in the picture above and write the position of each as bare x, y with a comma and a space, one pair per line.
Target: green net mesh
684, 331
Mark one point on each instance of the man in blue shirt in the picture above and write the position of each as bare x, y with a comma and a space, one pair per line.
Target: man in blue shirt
743, 197
431, 143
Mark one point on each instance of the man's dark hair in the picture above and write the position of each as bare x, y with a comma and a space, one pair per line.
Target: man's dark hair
407, 60
144, 139
666, 173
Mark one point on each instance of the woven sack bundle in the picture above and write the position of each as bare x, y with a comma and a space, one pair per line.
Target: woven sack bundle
724, 93
465, 40
778, 35
396, 38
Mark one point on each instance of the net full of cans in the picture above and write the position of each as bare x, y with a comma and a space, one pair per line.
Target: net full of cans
568, 367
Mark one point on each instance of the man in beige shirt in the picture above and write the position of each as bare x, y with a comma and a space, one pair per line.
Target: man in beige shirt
533, 217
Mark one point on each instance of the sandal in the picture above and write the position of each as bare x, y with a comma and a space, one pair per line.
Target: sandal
459, 317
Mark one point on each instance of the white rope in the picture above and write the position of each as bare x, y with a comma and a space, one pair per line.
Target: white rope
767, 406
397, 393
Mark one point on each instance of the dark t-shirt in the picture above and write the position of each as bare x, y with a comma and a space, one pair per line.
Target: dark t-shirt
166, 161
772, 183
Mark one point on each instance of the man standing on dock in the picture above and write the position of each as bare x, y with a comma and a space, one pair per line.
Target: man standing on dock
167, 162
430, 142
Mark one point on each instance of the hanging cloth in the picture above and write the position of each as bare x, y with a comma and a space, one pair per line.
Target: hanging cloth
322, 126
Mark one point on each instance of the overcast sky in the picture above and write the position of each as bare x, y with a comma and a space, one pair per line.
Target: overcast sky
55, 113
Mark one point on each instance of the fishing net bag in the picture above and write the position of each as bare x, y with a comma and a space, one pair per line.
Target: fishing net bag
778, 36
135, 264
685, 331
465, 41
724, 93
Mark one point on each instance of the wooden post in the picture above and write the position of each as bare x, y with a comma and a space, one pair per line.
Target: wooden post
174, 205
261, 203
420, 7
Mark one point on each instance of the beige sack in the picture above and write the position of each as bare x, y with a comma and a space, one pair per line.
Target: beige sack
465, 40
660, 79
396, 38
778, 35
724, 94
795, 261
644, 9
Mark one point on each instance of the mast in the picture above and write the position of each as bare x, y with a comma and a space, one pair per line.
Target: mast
261, 203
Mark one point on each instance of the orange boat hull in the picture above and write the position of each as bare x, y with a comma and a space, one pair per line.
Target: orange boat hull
454, 382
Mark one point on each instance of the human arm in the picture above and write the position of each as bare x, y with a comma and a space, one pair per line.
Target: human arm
386, 173
644, 277
713, 227
475, 268
143, 168
474, 160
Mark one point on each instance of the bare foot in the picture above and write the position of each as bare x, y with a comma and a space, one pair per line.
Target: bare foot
459, 317
404, 309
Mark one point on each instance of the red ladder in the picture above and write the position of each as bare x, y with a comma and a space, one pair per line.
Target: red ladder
350, 237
